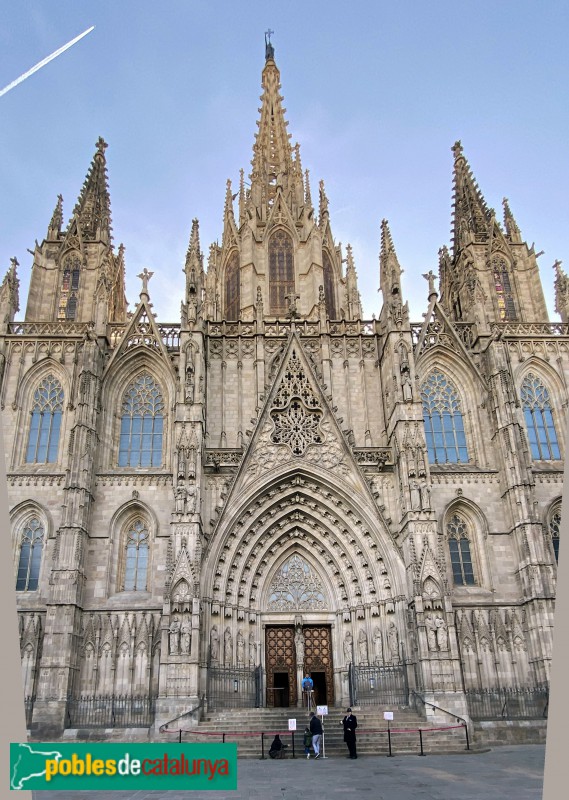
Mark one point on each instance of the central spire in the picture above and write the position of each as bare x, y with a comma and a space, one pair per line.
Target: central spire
272, 153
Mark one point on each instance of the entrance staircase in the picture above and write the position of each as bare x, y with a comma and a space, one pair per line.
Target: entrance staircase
245, 725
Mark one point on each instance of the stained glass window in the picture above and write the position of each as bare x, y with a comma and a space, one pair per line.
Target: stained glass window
554, 525
460, 555
45, 425
31, 547
539, 419
444, 425
232, 288
296, 587
141, 424
506, 307
329, 286
67, 308
136, 558
281, 272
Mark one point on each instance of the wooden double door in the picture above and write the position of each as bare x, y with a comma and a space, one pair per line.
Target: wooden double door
281, 664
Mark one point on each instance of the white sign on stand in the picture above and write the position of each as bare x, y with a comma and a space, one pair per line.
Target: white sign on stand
322, 711
292, 724
388, 715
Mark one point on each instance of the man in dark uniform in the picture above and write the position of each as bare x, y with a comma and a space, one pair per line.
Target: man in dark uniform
350, 724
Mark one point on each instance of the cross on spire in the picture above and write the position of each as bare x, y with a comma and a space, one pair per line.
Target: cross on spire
269, 49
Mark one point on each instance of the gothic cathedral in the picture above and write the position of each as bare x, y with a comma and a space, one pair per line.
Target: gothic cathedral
204, 511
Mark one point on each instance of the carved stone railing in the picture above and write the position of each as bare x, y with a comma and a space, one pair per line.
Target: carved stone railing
378, 457
283, 328
169, 333
530, 329
223, 458
59, 328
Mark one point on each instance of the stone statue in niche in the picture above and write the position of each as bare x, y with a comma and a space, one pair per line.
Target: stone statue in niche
189, 384
252, 650
182, 464
191, 493
181, 495
411, 464
174, 636
299, 646
214, 644
240, 648
431, 630
348, 648
415, 495
425, 496
185, 637
422, 470
406, 388
377, 646
442, 633
362, 647
228, 646
393, 639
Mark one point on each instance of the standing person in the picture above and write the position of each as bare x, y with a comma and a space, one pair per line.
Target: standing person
307, 688
307, 741
316, 731
350, 724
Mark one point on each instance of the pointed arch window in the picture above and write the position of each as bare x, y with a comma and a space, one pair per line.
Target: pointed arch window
69, 288
281, 271
506, 307
539, 419
136, 557
460, 552
45, 425
142, 424
31, 549
444, 425
554, 526
232, 288
329, 292
296, 587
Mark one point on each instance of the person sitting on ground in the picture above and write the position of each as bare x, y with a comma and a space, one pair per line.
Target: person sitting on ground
277, 748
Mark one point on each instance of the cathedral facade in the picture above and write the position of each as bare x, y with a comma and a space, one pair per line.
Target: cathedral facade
274, 485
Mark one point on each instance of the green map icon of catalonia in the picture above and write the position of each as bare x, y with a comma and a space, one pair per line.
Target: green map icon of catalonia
28, 762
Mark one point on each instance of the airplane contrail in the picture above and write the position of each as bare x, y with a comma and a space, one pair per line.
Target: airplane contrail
45, 61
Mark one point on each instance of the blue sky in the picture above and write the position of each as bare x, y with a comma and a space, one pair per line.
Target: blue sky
376, 93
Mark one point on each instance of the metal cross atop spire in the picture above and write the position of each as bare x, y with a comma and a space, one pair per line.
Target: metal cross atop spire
269, 49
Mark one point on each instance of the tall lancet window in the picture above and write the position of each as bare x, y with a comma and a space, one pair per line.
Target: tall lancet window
444, 425
554, 526
539, 419
69, 288
506, 307
31, 549
136, 557
232, 287
460, 554
329, 292
281, 272
47, 410
142, 424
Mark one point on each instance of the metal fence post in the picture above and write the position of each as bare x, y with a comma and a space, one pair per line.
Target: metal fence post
389, 740
262, 746
292, 737
421, 741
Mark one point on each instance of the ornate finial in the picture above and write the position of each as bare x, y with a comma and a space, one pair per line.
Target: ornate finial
430, 276
101, 145
307, 194
457, 149
323, 200
145, 276
557, 265
269, 49
15, 263
292, 310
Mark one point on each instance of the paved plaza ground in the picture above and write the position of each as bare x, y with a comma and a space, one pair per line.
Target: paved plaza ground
504, 773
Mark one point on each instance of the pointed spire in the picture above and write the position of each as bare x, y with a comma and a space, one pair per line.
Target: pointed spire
228, 199
272, 152
9, 294
56, 222
510, 224
389, 268
352, 291
93, 209
307, 193
194, 265
194, 252
242, 198
470, 212
561, 292
323, 213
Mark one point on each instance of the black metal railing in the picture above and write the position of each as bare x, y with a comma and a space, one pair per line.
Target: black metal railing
111, 711
508, 703
378, 685
234, 687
